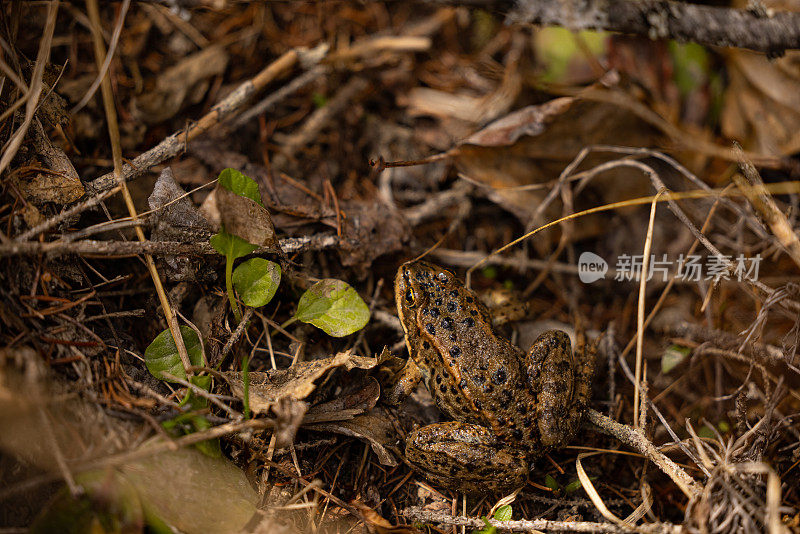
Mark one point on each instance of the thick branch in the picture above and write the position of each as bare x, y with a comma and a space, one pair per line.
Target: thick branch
772, 33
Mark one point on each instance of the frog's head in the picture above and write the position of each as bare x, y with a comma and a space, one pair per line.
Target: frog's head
416, 283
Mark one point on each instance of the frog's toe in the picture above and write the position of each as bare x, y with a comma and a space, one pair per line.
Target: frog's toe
465, 457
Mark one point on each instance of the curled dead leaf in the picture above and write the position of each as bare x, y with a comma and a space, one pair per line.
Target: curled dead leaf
241, 217
297, 382
375, 427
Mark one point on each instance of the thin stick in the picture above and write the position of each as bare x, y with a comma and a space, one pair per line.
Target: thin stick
112, 46
113, 132
66, 214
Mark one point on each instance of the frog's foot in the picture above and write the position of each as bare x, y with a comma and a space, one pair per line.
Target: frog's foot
562, 383
466, 457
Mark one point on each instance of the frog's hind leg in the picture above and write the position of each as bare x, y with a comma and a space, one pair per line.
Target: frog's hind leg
561, 380
465, 457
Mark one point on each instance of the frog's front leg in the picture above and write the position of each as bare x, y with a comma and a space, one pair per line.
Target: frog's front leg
466, 457
562, 382
404, 383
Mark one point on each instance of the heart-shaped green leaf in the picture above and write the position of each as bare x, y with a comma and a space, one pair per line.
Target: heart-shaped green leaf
162, 354
231, 246
256, 281
672, 357
503, 513
334, 307
242, 185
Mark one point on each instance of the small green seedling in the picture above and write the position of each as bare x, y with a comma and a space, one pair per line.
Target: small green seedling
332, 306
231, 246
575, 485
162, 354
673, 356
503, 513
551, 483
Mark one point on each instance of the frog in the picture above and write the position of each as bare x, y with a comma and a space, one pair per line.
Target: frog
506, 408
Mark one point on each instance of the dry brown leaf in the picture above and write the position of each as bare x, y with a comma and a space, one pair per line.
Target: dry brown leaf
289, 415
380, 524
362, 398
61, 185
762, 103
177, 219
297, 382
181, 84
374, 427
241, 217
533, 145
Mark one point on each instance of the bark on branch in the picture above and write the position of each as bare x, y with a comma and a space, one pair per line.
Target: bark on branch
763, 31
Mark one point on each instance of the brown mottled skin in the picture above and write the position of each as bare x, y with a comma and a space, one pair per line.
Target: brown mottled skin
508, 408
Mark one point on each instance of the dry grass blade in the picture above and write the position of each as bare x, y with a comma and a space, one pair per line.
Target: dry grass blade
107, 62
35, 88
590, 490
643, 275
113, 132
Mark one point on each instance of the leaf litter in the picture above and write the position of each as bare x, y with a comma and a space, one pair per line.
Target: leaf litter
370, 133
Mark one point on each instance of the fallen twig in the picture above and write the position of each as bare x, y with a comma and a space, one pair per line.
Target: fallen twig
636, 439
157, 248
174, 143
760, 30
418, 514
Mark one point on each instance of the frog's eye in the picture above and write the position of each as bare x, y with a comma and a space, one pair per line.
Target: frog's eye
409, 296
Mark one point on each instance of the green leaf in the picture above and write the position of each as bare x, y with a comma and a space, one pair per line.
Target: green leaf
320, 100
707, 432
238, 183
488, 529
334, 307
559, 52
690, 66
231, 246
256, 281
209, 447
503, 513
195, 401
724, 427
575, 485
551, 483
672, 357
162, 354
